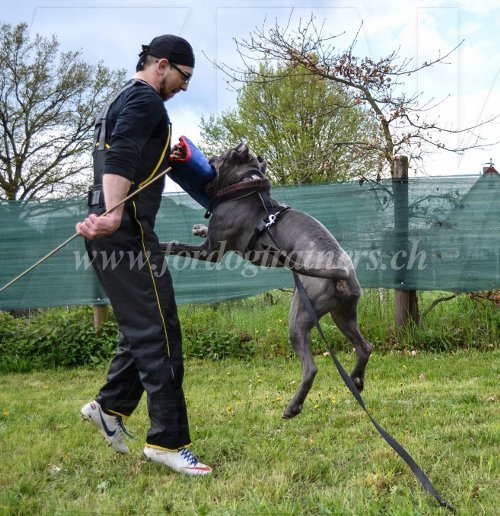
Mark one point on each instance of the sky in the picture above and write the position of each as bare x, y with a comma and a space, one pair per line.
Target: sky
113, 31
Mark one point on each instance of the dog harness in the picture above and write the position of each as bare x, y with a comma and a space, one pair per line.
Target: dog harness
275, 212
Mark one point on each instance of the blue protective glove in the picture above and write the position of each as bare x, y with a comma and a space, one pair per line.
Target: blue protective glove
192, 172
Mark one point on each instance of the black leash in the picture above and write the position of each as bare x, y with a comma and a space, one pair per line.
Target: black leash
417, 471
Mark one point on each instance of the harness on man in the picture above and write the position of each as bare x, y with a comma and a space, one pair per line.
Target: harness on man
192, 173
95, 196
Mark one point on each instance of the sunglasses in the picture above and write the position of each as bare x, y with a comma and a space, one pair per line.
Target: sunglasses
186, 76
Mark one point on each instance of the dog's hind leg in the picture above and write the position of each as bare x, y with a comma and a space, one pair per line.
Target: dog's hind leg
300, 326
345, 317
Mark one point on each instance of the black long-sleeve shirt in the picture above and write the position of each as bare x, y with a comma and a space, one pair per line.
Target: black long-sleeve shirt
138, 135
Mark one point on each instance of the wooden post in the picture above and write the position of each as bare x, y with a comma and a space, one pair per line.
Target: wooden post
101, 315
406, 302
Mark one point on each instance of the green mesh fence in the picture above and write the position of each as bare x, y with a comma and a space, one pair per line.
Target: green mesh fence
446, 237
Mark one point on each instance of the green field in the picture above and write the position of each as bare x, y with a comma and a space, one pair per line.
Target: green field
443, 407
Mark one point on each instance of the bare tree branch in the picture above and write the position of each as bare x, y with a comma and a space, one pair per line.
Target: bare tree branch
407, 123
48, 103
436, 302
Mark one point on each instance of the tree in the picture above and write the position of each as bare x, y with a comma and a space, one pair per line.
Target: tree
295, 121
48, 103
406, 123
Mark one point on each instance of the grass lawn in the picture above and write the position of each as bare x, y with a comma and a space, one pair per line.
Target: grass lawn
443, 408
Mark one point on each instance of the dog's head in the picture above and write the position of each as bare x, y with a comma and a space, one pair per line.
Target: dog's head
236, 165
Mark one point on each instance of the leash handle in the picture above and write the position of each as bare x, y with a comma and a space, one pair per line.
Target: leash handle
71, 238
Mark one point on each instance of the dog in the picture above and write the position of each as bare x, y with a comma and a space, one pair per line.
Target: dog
294, 239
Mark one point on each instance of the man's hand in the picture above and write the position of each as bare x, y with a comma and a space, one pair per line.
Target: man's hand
115, 190
178, 152
94, 227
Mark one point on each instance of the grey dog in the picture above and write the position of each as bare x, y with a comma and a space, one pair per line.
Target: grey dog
297, 241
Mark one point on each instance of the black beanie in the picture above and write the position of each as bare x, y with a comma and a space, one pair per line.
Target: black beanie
174, 48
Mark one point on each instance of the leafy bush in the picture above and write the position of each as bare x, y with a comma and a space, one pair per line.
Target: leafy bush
54, 338
216, 345
64, 337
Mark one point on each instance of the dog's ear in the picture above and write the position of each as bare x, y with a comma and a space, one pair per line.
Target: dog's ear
262, 164
242, 150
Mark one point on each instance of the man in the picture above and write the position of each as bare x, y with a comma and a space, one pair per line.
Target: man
127, 258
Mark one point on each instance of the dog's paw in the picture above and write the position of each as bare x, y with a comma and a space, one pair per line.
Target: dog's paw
293, 411
200, 230
358, 382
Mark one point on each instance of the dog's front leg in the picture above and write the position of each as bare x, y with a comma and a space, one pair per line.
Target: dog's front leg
203, 252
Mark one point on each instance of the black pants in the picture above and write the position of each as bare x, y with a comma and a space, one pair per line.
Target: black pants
132, 270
